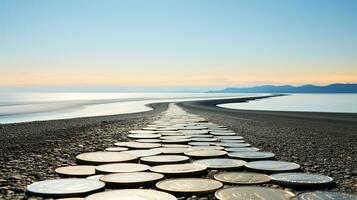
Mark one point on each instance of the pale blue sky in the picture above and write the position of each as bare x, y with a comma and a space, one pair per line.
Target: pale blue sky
177, 43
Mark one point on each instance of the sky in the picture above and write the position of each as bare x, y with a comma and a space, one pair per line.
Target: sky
176, 43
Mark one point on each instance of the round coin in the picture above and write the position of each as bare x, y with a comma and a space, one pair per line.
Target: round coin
200, 143
121, 167
221, 163
95, 177
176, 141
234, 137
203, 139
67, 187
143, 153
131, 194
232, 144
179, 169
223, 133
194, 132
175, 145
206, 153
189, 185
98, 158
139, 145
242, 178
251, 155
148, 140
164, 159
76, 171
116, 149
319, 195
253, 193
131, 179
143, 136
142, 132
239, 149
272, 166
301, 179
206, 148
172, 150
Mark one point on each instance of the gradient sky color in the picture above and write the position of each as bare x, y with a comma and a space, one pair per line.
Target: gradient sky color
177, 43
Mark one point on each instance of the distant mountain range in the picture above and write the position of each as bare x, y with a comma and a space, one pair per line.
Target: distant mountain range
333, 88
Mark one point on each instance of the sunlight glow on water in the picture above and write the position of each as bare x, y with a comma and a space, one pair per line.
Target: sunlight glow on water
26, 107
345, 103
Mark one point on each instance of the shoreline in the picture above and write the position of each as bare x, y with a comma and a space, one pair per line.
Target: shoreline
31, 151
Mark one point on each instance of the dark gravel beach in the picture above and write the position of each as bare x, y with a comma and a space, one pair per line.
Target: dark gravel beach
31, 151
321, 142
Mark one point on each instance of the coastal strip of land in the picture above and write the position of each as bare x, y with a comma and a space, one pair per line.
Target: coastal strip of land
321, 142
324, 143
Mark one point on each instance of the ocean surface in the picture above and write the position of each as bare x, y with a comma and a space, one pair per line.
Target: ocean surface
340, 103
25, 107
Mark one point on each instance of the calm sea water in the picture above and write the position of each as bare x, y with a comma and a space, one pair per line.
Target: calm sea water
24, 107
345, 103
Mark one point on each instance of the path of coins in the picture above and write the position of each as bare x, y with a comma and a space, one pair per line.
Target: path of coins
183, 156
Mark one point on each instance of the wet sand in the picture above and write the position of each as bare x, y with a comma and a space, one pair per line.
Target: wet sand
320, 142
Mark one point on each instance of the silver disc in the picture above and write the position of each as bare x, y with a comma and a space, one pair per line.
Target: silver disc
251, 155
67, 187
301, 179
221, 163
253, 193
322, 195
131, 194
272, 166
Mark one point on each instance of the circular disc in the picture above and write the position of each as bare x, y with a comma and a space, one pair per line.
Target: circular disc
253, 193
231, 144
179, 169
203, 139
189, 185
175, 145
200, 143
243, 178
202, 136
174, 137
95, 177
234, 137
144, 136
131, 194
131, 179
98, 158
223, 133
238, 149
300, 179
205, 148
194, 132
232, 141
142, 132
116, 149
67, 187
122, 144
76, 171
319, 195
139, 145
121, 167
148, 140
172, 150
164, 159
205, 153
143, 153
176, 141
221, 163
192, 128
251, 155
272, 166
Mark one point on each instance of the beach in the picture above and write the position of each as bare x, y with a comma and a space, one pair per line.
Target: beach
322, 143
